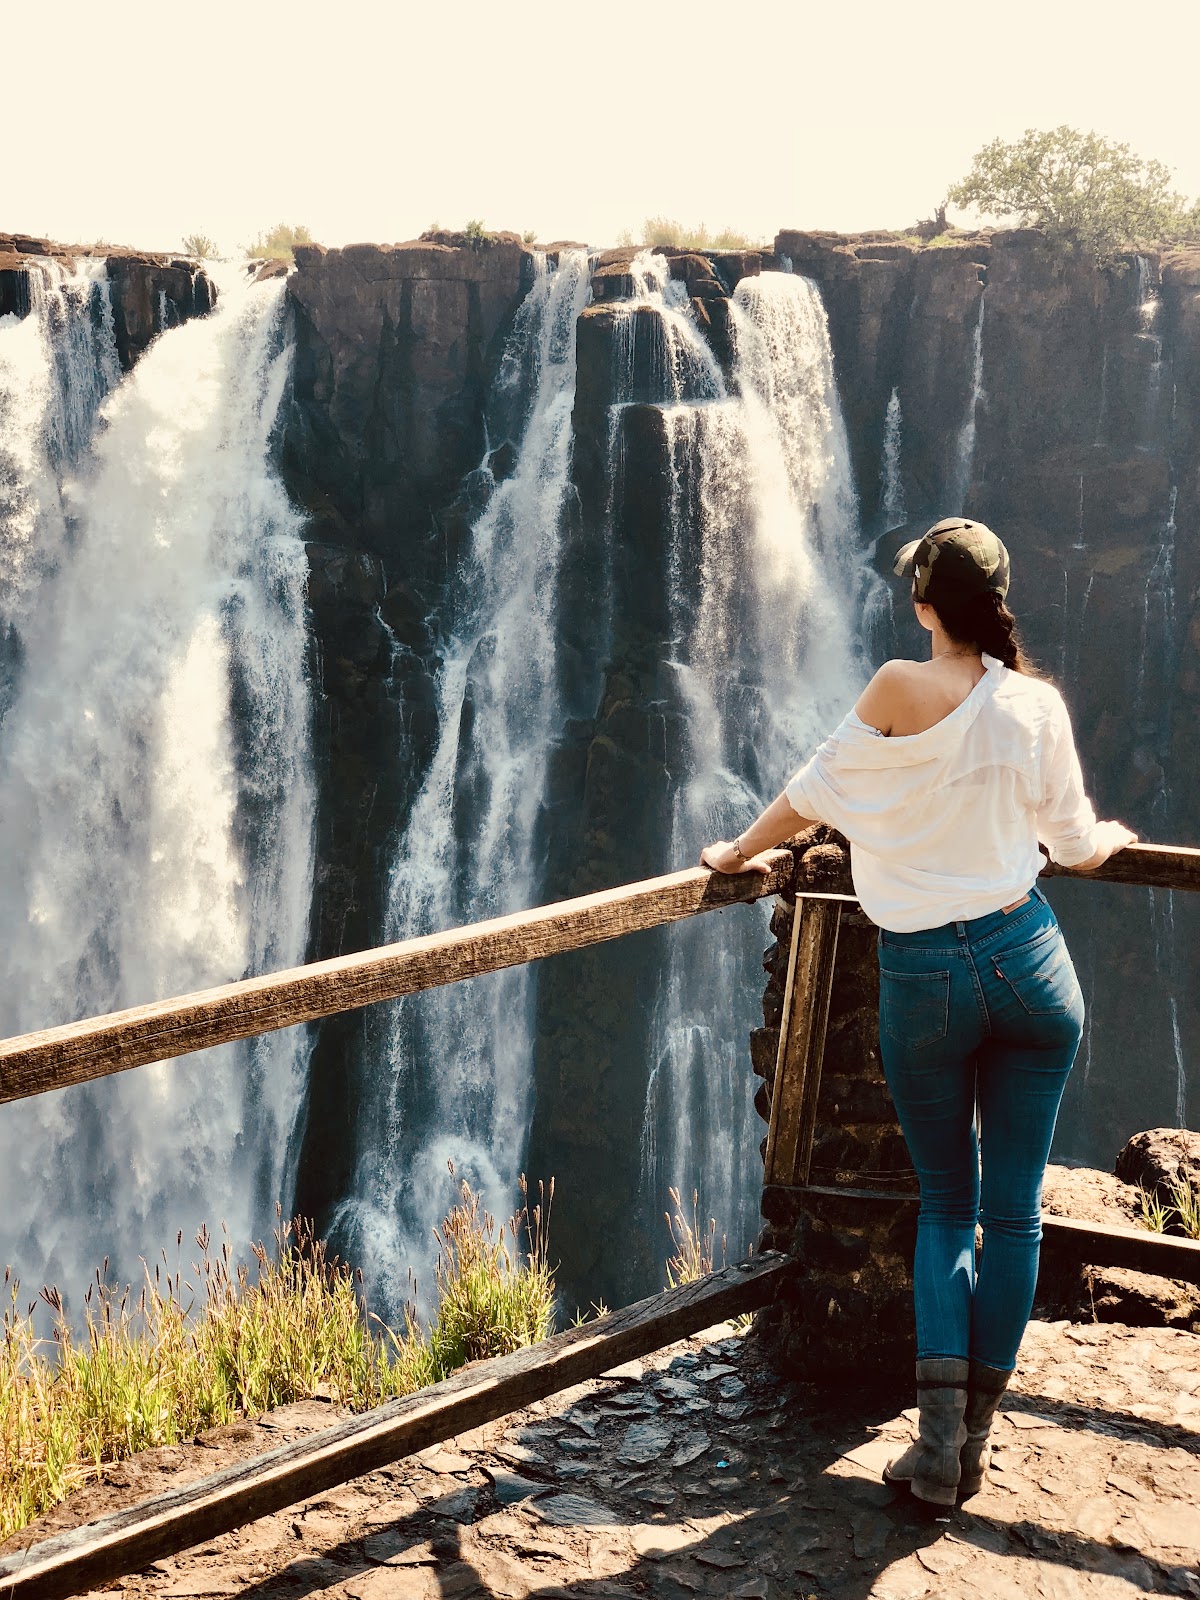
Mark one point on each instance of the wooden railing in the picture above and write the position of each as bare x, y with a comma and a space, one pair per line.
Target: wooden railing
35, 1063
76, 1052
98, 1046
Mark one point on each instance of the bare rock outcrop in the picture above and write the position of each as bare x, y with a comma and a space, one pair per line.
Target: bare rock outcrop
1159, 1159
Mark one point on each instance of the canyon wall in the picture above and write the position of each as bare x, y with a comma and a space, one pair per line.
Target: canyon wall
987, 374
1086, 459
1057, 401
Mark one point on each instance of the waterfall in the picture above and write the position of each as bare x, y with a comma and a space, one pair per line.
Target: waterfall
964, 451
680, 364
765, 527
1152, 711
156, 785
1148, 305
459, 1060
894, 513
56, 365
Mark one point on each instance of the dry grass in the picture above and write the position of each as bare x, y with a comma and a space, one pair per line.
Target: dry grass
193, 1350
667, 231
694, 1243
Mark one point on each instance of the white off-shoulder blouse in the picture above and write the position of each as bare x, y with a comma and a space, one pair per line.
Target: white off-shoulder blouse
944, 825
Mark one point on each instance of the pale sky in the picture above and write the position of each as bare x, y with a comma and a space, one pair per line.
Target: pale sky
138, 124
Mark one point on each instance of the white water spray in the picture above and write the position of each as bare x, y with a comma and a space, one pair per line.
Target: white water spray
763, 595
461, 1058
156, 784
894, 513
964, 452
57, 363
1148, 305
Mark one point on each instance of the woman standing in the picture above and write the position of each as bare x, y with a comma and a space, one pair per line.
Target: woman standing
944, 778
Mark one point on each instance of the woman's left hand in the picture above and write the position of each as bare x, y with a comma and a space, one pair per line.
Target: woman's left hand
726, 857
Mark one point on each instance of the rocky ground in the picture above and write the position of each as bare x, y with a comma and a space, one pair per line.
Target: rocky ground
700, 1473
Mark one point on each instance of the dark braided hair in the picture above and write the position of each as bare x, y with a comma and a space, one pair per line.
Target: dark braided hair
985, 622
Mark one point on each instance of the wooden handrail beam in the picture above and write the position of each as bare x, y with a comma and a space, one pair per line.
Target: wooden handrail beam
1097, 1244
1145, 866
127, 1541
35, 1063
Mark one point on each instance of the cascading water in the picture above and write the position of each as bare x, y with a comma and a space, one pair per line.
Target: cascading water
56, 365
891, 482
156, 785
461, 1058
964, 450
1153, 715
767, 565
1149, 304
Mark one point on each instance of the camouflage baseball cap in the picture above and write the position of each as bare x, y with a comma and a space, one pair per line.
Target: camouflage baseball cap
957, 557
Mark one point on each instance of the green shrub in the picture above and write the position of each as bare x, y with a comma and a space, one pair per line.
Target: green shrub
200, 246
476, 234
280, 242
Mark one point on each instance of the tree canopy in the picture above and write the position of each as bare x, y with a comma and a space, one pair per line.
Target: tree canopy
1080, 187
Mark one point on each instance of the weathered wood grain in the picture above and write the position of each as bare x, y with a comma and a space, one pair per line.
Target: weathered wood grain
802, 1040
128, 1540
78, 1051
1147, 866
1098, 1244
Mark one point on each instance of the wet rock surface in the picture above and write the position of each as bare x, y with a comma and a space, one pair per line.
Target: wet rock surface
1095, 1492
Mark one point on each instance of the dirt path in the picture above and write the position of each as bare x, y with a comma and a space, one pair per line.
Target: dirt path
700, 1474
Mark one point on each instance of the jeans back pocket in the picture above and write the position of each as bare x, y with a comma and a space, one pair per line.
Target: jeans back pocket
1040, 973
914, 1007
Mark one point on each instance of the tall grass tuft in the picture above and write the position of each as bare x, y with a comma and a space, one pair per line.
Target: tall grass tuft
495, 1287
694, 1244
1180, 1213
668, 231
229, 1339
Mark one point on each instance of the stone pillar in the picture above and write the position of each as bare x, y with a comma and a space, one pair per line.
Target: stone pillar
849, 1313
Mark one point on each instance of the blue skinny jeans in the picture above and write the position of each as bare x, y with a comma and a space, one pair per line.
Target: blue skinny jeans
985, 1014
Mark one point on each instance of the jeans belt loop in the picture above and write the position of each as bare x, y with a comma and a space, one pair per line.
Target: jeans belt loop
961, 929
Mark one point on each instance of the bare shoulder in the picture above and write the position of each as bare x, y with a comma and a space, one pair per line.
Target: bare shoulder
886, 692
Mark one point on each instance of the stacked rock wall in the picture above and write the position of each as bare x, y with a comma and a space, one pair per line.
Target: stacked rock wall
849, 1313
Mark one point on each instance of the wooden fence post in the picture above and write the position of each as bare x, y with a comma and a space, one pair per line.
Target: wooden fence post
802, 1041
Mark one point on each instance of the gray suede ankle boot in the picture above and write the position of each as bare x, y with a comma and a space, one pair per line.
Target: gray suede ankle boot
985, 1385
930, 1466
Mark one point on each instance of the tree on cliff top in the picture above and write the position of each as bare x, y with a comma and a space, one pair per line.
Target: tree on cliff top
1080, 188
279, 243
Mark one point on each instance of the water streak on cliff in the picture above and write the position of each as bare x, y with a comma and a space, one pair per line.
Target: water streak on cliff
894, 513
1149, 304
156, 787
766, 566
964, 448
458, 1080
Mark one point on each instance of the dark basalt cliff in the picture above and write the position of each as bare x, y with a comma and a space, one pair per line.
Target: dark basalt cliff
1087, 462
1086, 459
396, 350
149, 292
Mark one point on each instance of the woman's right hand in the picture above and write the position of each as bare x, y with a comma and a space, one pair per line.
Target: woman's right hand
1113, 836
